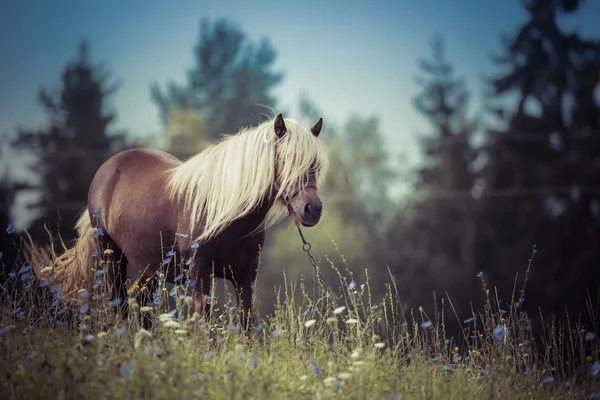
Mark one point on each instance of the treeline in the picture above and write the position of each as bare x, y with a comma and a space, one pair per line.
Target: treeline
523, 172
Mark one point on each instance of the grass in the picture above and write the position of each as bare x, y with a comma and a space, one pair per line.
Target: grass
312, 346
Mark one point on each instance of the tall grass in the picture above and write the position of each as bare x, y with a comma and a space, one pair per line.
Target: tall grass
314, 345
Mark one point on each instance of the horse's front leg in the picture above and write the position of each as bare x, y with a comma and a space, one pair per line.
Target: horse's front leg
244, 289
200, 272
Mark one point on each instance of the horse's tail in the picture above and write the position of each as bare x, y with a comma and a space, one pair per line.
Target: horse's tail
73, 269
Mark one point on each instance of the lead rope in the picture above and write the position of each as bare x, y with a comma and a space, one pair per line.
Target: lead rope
306, 246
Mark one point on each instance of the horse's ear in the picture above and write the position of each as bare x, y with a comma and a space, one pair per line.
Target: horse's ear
280, 128
316, 128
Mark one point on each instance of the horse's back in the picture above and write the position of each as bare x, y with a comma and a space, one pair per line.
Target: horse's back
130, 190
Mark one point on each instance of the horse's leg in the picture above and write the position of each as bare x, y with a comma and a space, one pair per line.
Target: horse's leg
244, 288
200, 272
117, 275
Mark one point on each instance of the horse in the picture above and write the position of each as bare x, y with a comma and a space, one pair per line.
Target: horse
215, 207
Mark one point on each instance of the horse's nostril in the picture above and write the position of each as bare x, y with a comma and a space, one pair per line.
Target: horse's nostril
311, 210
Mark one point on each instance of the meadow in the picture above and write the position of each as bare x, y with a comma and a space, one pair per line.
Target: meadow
314, 345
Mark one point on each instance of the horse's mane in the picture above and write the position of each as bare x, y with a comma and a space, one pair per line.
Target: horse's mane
229, 179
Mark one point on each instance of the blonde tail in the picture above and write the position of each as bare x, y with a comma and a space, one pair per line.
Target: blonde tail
70, 271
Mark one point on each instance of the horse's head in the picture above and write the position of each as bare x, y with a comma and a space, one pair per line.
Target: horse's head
301, 165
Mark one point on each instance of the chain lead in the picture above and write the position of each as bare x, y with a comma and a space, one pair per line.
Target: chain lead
306, 246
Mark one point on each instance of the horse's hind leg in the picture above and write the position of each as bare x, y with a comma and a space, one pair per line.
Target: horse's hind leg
116, 276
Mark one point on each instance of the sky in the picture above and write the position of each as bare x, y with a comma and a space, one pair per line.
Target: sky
350, 57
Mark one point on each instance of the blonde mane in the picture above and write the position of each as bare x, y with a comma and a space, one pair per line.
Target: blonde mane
229, 179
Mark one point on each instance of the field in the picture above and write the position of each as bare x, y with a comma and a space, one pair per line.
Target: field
313, 346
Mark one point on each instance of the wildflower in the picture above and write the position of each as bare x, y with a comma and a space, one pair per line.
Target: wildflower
24, 269
254, 362
43, 283
183, 235
209, 355
594, 395
12, 275
84, 294
466, 321
380, 345
278, 332
339, 310
480, 274
393, 396
345, 375
499, 332
456, 358
10, 229
527, 327
166, 261
178, 278
258, 327
127, 368
426, 324
181, 331
145, 309
84, 309
108, 252
352, 321
170, 253
194, 245
205, 377
482, 371
232, 327
352, 285
188, 262
116, 302
447, 367
97, 297
502, 311
595, 368
336, 384
310, 323
548, 379
317, 370
590, 336
97, 210
171, 324
95, 253
120, 331
355, 354
508, 357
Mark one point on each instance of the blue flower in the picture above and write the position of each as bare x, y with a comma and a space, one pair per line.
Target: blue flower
116, 302
499, 332
466, 321
121, 331
590, 336
482, 371
480, 274
97, 284
127, 368
254, 363
278, 332
85, 294
84, 308
171, 253
24, 269
191, 282
317, 370
232, 327
426, 324
258, 327
61, 311
44, 283
336, 384
393, 396
95, 253
99, 272
594, 395
178, 278
10, 229
548, 379
595, 368
12, 274
209, 355
194, 245
1, 254
184, 235
352, 285
447, 367
54, 289
96, 297
167, 260
188, 262
502, 311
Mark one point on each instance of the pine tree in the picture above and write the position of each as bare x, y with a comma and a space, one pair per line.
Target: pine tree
74, 145
229, 88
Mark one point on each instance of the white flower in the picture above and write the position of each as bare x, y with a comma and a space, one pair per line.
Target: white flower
352, 321
310, 323
171, 324
303, 377
339, 309
165, 317
108, 251
181, 332
354, 354
101, 335
145, 309
380, 345
344, 375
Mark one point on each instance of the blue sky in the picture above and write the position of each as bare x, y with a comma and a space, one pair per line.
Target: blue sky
349, 56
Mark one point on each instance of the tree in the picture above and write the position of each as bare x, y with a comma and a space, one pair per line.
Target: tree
542, 159
229, 88
73, 146
433, 238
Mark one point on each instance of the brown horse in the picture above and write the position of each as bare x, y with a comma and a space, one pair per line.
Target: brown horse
212, 210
